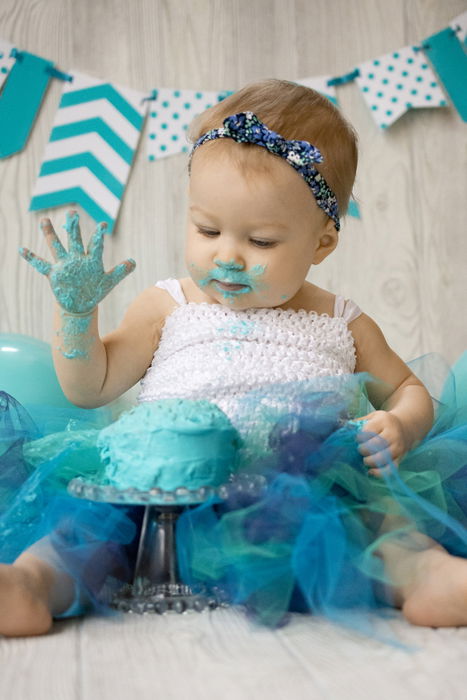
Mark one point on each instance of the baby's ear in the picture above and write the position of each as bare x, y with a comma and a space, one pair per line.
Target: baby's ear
327, 240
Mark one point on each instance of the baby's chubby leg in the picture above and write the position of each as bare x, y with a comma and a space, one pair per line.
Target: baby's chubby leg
33, 590
429, 584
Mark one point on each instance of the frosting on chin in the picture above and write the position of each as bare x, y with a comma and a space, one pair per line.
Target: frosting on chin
168, 444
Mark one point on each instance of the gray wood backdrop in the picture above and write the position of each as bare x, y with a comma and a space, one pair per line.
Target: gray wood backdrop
404, 262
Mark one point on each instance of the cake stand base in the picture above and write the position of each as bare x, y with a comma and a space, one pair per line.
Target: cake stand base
144, 597
157, 587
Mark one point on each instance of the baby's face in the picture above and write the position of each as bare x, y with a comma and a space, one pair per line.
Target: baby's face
251, 240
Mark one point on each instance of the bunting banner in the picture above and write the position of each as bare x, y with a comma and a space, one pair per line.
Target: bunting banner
396, 82
91, 148
449, 59
6, 60
171, 112
98, 125
20, 100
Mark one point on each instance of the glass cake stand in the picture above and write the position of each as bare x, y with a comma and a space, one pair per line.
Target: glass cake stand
157, 587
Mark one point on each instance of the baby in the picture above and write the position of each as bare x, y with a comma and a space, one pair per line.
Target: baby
271, 174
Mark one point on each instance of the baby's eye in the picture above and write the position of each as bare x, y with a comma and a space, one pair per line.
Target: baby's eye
261, 243
207, 232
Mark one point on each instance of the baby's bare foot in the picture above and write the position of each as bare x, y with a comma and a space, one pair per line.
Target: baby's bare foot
436, 595
24, 607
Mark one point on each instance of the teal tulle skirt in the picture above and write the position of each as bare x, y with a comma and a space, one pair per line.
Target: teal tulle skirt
310, 540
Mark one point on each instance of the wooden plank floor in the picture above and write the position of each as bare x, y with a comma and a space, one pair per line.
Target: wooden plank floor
221, 654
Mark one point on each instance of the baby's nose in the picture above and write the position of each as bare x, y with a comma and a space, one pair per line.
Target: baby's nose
232, 264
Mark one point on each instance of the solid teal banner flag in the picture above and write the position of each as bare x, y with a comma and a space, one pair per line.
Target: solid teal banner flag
20, 100
449, 60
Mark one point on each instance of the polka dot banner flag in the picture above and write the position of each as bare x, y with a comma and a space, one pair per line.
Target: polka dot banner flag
396, 82
170, 113
91, 148
6, 63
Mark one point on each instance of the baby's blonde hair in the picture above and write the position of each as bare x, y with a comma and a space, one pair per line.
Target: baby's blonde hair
295, 112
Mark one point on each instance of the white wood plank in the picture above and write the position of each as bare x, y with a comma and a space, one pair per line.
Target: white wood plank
37, 668
417, 663
190, 655
221, 652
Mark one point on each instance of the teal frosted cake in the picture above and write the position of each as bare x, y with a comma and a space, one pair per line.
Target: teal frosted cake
168, 444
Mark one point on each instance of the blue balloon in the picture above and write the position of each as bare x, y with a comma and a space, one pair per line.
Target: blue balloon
27, 373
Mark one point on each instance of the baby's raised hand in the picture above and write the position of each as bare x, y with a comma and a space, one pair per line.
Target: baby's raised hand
381, 441
76, 276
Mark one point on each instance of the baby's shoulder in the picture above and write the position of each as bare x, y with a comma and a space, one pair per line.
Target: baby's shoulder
313, 298
152, 305
369, 339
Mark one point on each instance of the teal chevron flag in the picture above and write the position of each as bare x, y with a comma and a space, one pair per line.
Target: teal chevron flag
20, 100
91, 148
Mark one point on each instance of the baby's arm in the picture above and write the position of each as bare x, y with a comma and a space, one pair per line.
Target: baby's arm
92, 371
404, 408
115, 363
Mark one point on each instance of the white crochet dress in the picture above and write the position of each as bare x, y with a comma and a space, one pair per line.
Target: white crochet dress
212, 352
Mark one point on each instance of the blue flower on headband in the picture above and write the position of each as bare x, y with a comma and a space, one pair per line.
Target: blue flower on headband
245, 127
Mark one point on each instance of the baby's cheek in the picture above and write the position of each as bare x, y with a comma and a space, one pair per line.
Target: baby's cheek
196, 272
284, 292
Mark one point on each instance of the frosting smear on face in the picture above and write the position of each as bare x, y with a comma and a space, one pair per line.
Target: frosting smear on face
168, 444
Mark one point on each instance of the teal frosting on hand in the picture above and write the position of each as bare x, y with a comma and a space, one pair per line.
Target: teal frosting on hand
74, 334
77, 277
78, 281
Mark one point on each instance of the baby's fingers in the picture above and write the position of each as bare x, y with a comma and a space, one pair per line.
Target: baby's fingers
375, 451
378, 459
96, 244
71, 226
370, 443
39, 264
386, 465
52, 240
119, 272
380, 471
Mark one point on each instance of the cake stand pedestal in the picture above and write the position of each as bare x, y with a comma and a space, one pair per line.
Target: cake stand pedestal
157, 587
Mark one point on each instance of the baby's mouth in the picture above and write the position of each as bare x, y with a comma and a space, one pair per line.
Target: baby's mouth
229, 286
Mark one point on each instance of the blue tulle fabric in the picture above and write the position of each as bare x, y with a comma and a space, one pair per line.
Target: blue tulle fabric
309, 541
313, 539
95, 543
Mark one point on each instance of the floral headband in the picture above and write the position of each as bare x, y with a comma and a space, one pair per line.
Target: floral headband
245, 127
